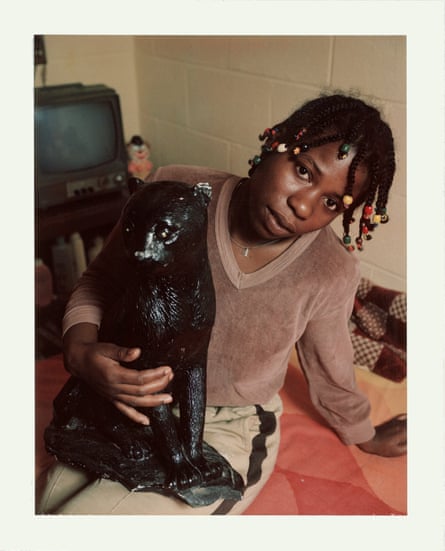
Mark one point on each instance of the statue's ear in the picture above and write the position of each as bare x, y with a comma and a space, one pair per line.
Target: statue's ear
203, 190
134, 184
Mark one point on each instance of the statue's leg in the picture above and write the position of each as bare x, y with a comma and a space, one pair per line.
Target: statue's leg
190, 385
179, 471
192, 401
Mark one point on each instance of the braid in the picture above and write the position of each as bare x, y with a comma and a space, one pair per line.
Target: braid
355, 124
358, 158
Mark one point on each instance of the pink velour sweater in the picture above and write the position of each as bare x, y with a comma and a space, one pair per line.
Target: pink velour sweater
304, 298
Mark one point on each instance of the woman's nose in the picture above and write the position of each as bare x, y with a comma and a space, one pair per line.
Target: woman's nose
302, 203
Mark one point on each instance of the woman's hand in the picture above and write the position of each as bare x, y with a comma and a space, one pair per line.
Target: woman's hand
390, 438
98, 364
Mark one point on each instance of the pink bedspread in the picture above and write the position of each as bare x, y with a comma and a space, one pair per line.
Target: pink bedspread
315, 473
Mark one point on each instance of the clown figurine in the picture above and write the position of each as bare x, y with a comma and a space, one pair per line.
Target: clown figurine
139, 164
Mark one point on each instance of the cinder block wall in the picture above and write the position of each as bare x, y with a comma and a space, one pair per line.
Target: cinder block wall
92, 59
204, 100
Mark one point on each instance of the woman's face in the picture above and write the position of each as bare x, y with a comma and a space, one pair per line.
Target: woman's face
293, 196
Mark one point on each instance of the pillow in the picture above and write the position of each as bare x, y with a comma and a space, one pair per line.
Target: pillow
378, 330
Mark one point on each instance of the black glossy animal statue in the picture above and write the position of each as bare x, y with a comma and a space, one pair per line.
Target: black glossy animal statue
167, 310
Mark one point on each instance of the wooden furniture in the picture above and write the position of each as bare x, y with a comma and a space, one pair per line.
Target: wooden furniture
93, 216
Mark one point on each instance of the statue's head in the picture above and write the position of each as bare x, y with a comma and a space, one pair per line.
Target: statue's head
165, 223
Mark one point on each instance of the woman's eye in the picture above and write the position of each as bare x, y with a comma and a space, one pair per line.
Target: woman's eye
331, 204
303, 173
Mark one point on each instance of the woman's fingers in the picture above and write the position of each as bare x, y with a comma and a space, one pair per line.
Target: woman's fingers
127, 382
140, 389
131, 413
147, 401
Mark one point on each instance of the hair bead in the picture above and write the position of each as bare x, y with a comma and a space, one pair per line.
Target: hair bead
347, 200
298, 135
347, 239
367, 211
255, 161
344, 150
384, 218
268, 133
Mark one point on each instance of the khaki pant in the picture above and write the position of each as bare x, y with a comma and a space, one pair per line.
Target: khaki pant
248, 437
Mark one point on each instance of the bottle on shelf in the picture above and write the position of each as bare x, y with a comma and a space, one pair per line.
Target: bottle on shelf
79, 257
95, 248
63, 266
43, 284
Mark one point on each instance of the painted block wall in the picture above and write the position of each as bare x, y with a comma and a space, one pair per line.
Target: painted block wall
204, 100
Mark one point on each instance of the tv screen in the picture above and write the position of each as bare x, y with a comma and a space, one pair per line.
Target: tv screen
75, 137
79, 142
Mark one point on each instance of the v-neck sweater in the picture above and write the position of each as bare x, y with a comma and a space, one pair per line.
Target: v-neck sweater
302, 298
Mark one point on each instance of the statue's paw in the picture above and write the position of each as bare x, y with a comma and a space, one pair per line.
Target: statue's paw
209, 469
183, 476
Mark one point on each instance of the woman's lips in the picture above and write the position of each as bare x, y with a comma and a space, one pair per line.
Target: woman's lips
278, 225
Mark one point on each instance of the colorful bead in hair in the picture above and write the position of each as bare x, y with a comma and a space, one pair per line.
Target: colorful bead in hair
268, 133
347, 242
300, 149
347, 200
255, 161
300, 133
344, 151
383, 217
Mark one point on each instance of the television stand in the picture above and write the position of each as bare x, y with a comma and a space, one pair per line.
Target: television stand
84, 215
92, 216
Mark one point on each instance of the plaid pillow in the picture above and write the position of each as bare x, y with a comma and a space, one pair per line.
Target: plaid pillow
378, 330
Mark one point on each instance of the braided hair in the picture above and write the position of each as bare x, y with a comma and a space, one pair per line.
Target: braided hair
357, 125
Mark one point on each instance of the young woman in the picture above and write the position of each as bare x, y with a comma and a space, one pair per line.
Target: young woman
282, 279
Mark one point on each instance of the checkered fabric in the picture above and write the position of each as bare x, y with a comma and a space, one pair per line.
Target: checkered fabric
378, 330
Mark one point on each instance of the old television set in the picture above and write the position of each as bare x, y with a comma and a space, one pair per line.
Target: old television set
80, 149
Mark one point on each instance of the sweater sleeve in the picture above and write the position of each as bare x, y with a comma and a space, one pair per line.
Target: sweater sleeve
103, 279
326, 357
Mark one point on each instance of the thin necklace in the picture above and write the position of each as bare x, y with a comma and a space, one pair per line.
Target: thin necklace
247, 249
